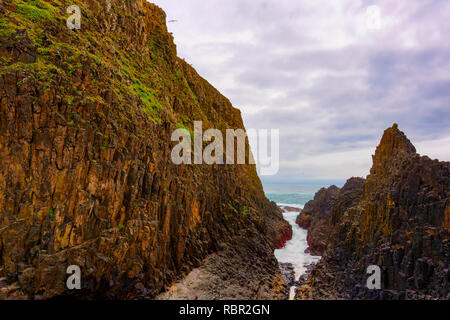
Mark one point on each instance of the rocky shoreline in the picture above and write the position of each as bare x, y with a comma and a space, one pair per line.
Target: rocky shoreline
234, 273
288, 273
288, 270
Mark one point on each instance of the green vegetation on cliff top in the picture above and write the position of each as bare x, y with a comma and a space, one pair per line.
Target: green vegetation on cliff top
139, 67
121, 66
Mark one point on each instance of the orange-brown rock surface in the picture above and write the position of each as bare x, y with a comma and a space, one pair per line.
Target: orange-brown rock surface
398, 220
86, 179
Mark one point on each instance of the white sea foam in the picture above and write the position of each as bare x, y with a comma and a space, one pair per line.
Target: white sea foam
294, 251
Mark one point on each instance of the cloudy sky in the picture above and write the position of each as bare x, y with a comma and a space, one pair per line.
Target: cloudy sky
331, 75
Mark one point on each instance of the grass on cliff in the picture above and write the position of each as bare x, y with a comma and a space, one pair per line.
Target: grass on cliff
36, 10
6, 28
45, 23
63, 55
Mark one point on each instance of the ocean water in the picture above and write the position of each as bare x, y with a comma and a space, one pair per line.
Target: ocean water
294, 251
290, 194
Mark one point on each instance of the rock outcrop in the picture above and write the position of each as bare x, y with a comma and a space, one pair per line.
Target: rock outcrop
315, 218
86, 177
398, 221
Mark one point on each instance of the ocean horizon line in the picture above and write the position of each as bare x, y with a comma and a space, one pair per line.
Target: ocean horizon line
312, 183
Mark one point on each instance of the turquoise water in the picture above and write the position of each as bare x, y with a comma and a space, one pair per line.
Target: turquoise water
290, 194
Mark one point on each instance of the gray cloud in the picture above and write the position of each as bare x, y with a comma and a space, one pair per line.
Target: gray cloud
316, 71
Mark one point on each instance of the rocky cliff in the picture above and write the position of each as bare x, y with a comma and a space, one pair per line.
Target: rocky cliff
86, 179
315, 218
397, 219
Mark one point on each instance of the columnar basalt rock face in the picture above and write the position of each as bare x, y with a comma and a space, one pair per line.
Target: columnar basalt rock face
315, 218
398, 221
86, 179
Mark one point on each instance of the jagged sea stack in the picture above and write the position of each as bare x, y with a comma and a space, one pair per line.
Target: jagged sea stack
397, 219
